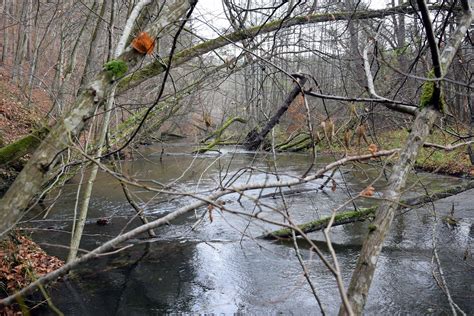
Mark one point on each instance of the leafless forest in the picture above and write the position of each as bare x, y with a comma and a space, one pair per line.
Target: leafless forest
245, 116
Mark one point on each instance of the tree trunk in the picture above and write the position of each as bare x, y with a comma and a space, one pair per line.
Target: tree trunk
22, 38
363, 274
471, 127
70, 68
254, 138
35, 173
366, 264
6, 12
90, 49
353, 216
76, 235
37, 45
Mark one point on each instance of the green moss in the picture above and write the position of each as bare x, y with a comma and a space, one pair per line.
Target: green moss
22, 146
372, 228
116, 68
427, 93
339, 219
454, 162
217, 134
294, 142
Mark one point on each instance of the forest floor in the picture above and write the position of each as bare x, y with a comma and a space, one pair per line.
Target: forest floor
21, 259
455, 162
17, 119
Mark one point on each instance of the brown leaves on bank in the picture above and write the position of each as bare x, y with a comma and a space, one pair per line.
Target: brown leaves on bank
22, 261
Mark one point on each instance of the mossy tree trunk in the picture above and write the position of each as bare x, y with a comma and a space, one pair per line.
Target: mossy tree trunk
353, 216
364, 271
29, 182
25, 145
218, 133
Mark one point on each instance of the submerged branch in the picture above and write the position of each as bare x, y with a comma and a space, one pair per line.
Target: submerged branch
367, 213
200, 202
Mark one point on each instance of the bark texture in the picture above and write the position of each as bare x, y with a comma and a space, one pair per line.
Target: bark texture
254, 139
363, 274
29, 182
366, 264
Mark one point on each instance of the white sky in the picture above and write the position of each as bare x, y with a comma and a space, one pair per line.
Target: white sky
210, 14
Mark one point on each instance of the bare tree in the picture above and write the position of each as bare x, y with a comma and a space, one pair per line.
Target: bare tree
296, 75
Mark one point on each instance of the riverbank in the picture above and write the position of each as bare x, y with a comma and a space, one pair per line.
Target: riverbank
454, 162
22, 261
18, 118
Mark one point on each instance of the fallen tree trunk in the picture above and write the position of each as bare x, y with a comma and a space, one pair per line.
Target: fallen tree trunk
254, 138
217, 134
289, 145
367, 213
312, 226
25, 145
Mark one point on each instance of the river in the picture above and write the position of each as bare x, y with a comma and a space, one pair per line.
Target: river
222, 267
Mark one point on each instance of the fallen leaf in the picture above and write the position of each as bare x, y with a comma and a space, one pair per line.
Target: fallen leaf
373, 149
367, 192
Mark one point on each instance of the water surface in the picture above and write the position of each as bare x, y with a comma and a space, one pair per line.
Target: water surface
222, 267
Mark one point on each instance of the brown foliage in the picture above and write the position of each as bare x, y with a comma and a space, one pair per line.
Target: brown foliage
367, 192
207, 118
373, 149
329, 129
21, 262
143, 43
347, 138
296, 114
16, 118
361, 133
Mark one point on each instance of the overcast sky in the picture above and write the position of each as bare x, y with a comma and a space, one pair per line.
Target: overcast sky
210, 14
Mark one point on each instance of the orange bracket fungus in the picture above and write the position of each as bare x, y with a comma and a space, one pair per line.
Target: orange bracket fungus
143, 43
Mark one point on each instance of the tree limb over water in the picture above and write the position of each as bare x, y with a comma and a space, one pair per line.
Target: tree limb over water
353, 216
364, 271
200, 202
37, 171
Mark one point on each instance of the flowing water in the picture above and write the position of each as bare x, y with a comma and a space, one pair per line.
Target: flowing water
222, 267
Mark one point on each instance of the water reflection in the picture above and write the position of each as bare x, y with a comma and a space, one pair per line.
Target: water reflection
212, 269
